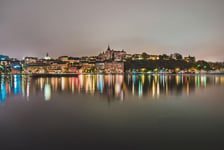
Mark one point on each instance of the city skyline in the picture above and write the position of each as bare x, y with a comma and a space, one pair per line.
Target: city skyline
102, 52
73, 28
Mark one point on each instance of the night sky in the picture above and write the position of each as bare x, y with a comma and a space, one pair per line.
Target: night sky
85, 27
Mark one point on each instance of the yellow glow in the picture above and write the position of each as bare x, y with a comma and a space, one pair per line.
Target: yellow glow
153, 88
222, 80
158, 90
177, 69
41, 84
73, 85
188, 89
177, 79
63, 83
143, 79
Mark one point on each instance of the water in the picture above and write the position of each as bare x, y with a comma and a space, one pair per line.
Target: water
111, 111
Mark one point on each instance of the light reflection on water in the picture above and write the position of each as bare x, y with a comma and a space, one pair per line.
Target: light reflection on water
76, 111
112, 86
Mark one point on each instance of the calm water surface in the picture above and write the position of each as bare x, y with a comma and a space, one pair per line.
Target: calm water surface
111, 111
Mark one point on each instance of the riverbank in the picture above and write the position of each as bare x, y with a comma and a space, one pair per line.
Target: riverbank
125, 73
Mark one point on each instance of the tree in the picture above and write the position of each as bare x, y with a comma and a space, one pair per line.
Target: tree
145, 55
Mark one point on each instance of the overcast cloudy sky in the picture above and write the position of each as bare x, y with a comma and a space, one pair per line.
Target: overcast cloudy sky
85, 27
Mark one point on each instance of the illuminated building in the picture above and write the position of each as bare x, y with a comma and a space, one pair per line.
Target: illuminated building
153, 57
58, 67
75, 69
47, 57
30, 60
114, 66
91, 59
100, 66
36, 68
73, 60
113, 54
16, 68
63, 58
4, 60
3, 57
88, 67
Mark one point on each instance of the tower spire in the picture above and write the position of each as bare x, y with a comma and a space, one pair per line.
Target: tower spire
108, 47
47, 57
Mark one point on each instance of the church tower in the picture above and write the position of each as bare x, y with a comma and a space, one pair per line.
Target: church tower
47, 57
108, 47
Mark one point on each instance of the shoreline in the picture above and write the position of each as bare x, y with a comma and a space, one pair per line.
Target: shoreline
125, 73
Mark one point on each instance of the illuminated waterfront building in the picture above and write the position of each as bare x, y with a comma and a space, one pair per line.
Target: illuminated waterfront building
4, 60
30, 60
63, 58
73, 60
114, 66
100, 66
58, 67
36, 68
